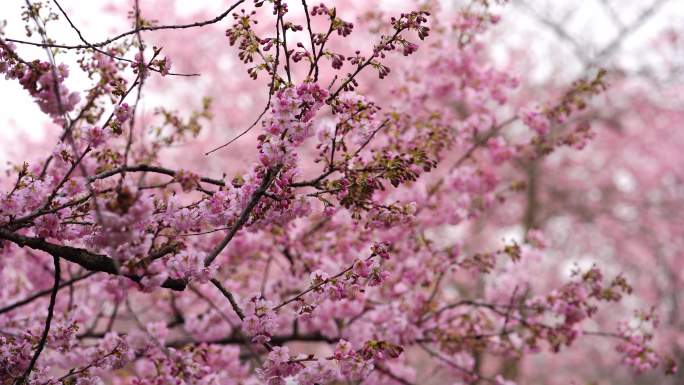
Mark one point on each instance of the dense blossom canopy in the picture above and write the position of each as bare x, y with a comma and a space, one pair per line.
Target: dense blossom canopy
349, 229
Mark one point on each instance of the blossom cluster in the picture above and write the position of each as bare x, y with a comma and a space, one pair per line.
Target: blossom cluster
42, 80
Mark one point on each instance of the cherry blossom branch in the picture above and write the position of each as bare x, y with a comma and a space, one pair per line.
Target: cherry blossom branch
244, 340
11, 52
478, 142
315, 68
75, 372
370, 138
280, 20
142, 28
275, 340
454, 365
391, 375
53, 67
64, 179
35, 296
235, 306
20, 222
48, 321
361, 66
316, 286
274, 76
148, 168
89, 260
311, 35
83, 39
123, 59
244, 216
226, 293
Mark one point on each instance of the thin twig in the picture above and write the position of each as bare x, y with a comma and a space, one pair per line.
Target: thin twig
142, 29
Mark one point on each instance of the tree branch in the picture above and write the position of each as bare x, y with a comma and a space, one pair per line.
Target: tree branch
147, 168
48, 321
137, 30
30, 299
244, 216
89, 260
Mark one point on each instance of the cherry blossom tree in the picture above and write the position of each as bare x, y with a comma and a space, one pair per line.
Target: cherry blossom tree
620, 195
340, 231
